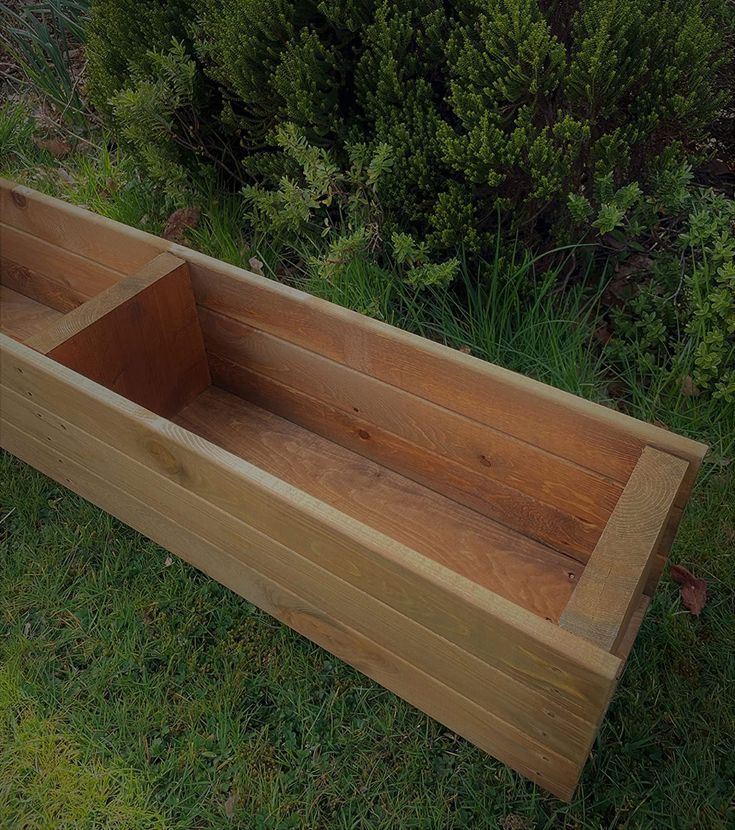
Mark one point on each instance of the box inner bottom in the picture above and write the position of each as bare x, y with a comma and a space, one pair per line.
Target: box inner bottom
521, 569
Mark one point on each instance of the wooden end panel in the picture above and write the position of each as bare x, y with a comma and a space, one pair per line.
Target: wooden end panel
609, 591
53, 276
140, 338
535, 714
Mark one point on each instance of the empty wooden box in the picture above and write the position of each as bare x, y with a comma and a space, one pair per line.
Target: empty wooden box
481, 544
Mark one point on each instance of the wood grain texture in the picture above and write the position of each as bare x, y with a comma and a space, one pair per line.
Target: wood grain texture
526, 488
506, 636
49, 274
613, 581
22, 317
140, 338
592, 436
521, 570
74, 229
418, 684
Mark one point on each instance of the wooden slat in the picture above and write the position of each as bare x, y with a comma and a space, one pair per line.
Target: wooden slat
52, 275
330, 628
74, 229
520, 485
524, 571
22, 317
140, 338
628, 638
613, 580
504, 635
595, 437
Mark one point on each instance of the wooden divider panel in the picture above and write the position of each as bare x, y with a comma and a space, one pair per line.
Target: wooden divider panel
140, 338
612, 583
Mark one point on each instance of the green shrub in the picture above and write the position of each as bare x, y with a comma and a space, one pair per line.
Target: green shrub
498, 113
679, 323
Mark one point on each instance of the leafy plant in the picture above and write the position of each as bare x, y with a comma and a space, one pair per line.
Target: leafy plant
42, 39
332, 217
497, 112
681, 321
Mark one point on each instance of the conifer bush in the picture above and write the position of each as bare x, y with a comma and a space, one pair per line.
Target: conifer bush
498, 113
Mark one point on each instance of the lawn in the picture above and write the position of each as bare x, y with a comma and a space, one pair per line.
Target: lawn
137, 693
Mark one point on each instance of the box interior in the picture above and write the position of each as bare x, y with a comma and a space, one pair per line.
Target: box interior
332, 434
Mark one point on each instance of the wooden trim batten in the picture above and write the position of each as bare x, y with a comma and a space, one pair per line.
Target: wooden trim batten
613, 580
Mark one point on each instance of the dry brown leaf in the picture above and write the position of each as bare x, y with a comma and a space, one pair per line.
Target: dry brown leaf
56, 146
230, 805
178, 223
688, 389
693, 589
256, 266
604, 333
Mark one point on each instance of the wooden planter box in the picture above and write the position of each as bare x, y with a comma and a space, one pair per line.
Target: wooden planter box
481, 544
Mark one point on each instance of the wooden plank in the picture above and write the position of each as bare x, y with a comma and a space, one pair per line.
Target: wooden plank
52, 275
595, 437
521, 570
613, 580
22, 317
72, 228
504, 635
627, 640
520, 485
140, 338
419, 687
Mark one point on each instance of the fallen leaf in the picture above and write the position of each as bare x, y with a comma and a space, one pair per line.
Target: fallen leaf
688, 389
230, 805
693, 589
178, 223
56, 146
465, 349
168, 561
604, 333
256, 266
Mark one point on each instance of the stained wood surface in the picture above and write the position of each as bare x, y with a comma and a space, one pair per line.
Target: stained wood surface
626, 642
594, 437
22, 317
524, 571
140, 338
378, 654
52, 275
511, 639
74, 229
613, 580
521, 486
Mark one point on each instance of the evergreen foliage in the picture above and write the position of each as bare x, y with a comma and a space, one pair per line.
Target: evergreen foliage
498, 113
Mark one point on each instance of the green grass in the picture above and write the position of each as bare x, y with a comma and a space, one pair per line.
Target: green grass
136, 693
